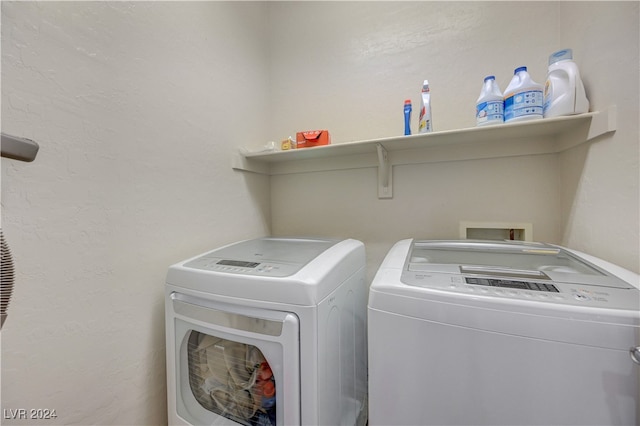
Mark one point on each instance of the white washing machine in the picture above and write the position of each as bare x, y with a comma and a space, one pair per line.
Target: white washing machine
268, 332
502, 333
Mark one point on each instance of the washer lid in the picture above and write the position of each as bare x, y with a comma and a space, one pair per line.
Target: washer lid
506, 259
441, 293
280, 257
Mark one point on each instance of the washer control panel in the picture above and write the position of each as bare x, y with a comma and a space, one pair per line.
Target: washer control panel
522, 285
548, 291
523, 271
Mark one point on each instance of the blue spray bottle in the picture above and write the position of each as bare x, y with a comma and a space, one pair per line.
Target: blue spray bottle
407, 117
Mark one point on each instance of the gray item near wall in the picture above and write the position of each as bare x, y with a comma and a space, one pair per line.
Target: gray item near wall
6, 278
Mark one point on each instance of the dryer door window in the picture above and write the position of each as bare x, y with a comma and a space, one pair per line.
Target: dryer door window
231, 379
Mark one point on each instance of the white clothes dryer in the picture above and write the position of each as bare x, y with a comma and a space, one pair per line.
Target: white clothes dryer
502, 333
268, 332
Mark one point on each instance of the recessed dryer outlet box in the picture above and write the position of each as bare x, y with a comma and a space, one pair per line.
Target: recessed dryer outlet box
496, 231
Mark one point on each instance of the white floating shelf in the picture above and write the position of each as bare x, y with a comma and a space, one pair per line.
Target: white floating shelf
550, 135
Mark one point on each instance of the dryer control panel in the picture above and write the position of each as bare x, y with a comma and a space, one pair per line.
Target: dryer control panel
273, 257
242, 267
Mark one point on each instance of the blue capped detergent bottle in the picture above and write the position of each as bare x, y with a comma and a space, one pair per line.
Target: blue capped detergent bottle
522, 98
490, 104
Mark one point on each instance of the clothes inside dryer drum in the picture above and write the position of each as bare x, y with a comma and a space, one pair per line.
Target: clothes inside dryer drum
231, 379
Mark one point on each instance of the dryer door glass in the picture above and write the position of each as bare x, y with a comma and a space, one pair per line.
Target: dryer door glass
231, 379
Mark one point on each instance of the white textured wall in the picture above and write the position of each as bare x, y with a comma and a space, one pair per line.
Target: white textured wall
600, 181
137, 108
353, 77
349, 66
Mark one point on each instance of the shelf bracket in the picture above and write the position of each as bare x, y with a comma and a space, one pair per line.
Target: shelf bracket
603, 122
385, 175
240, 162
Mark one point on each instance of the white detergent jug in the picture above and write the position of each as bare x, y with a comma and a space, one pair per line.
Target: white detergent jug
522, 98
490, 104
564, 92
